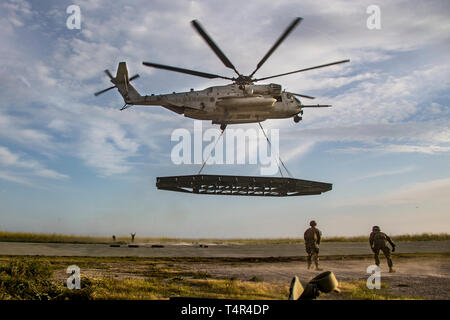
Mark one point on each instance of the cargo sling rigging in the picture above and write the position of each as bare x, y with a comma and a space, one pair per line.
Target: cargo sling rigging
278, 159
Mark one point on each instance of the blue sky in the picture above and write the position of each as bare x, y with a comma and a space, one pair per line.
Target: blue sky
72, 163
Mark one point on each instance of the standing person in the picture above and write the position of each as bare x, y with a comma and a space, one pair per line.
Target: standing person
132, 236
114, 238
312, 238
378, 241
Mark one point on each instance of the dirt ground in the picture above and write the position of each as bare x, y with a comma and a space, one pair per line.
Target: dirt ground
427, 278
415, 277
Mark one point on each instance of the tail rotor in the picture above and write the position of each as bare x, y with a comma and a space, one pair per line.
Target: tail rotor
115, 81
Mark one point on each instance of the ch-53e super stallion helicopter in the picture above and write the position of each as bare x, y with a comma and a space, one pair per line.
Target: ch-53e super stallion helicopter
243, 101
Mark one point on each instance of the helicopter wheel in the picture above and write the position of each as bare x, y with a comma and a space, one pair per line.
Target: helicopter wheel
297, 118
223, 126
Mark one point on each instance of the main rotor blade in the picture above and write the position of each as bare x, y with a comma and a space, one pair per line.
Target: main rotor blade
197, 26
103, 91
301, 70
316, 106
302, 95
280, 39
182, 70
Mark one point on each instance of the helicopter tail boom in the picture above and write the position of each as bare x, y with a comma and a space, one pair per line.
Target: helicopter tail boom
122, 82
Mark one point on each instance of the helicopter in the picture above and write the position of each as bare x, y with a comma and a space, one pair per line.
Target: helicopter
242, 101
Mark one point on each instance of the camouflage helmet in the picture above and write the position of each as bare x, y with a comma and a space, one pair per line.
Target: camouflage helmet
375, 228
313, 223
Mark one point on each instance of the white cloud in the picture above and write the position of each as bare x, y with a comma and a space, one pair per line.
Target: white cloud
9, 177
17, 11
435, 191
6, 157
11, 160
385, 173
106, 147
427, 149
51, 174
299, 151
20, 130
324, 81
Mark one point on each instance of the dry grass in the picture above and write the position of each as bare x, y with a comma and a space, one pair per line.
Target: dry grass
156, 288
61, 238
357, 290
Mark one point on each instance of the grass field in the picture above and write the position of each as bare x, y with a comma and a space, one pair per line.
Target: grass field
43, 278
60, 238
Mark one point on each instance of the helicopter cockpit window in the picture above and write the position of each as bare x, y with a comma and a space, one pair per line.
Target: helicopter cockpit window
296, 100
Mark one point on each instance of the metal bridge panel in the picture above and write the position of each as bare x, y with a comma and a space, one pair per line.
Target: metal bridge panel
242, 185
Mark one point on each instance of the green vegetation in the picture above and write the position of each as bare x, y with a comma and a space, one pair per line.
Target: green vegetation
60, 238
50, 238
30, 279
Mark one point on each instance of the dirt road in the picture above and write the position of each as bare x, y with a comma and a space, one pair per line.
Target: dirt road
414, 277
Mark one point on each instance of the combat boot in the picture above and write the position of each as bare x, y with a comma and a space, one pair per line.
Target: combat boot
391, 270
317, 267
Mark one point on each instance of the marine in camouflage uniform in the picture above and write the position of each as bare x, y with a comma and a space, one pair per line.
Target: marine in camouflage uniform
379, 241
312, 238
